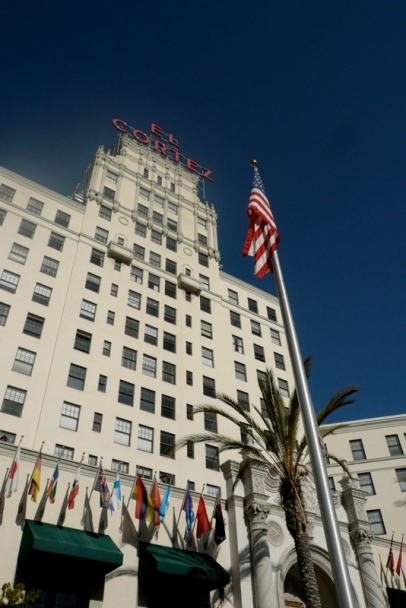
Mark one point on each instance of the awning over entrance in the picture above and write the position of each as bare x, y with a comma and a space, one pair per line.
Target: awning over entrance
198, 568
44, 541
396, 597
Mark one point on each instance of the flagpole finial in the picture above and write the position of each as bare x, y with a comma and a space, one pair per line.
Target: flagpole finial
254, 164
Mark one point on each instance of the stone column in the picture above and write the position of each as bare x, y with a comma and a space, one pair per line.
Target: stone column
361, 535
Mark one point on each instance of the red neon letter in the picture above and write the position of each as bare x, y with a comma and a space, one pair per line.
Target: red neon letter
158, 145
191, 165
172, 141
138, 136
156, 130
206, 173
116, 122
176, 155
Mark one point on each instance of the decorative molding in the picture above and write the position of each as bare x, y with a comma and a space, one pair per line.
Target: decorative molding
275, 534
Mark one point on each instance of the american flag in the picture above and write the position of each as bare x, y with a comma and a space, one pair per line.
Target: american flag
262, 237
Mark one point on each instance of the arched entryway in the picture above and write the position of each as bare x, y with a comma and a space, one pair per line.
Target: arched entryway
293, 592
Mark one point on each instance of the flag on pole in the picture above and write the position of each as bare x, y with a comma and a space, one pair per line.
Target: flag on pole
75, 488
188, 509
203, 523
116, 495
144, 509
164, 506
156, 501
12, 478
399, 562
101, 486
51, 492
390, 563
219, 528
35, 482
262, 237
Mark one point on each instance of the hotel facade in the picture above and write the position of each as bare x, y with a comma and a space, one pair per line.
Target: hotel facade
115, 321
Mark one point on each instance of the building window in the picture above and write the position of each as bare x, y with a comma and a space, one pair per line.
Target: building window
376, 521
97, 257
168, 372
142, 211
170, 289
106, 348
206, 329
18, 253
134, 299
149, 366
144, 472
9, 281
27, 229
119, 466
114, 290
126, 393
168, 407
238, 345
49, 266
157, 218
279, 361
207, 356
35, 206
24, 361
147, 400
4, 310
102, 385
209, 387
122, 431
188, 321
140, 230
357, 449
3, 214
235, 319
93, 282
271, 313
155, 259
401, 475
331, 484
131, 327
61, 451
243, 400
42, 294
153, 282
190, 449
189, 411
136, 274
7, 437
159, 182
171, 206
171, 244
113, 177
201, 222
151, 335
212, 490
259, 353
240, 371
205, 282
202, 240
210, 422
283, 387
33, 325
97, 422
233, 297
255, 328
101, 235
172, 225
170, 314
166, 444
117, 265
70, 416
129, 358
170, 266
205, 304
6, 193
252, 305
110, 317
88, 310
108, 194
275, 337
212, 458
169, 342
189, 350
62, 218
203, 259
56, 241
189, 378
139, 252
105, 212
393, 442
145, 438
144, 193
146, 174
76, 377
366, 483
156, 237
92, 460
13, 401
152, 307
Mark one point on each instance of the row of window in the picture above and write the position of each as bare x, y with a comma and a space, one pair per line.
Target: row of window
33, 206
252, 305
392, 441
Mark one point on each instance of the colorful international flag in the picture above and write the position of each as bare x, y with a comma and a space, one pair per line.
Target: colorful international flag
144, 509
116, 495
12, 477
203, 523
163, 507
262, 237
399, 562
188, 509
101, 486
75, 489
219, 528
51, 492
35, 482
156, 501
390, 563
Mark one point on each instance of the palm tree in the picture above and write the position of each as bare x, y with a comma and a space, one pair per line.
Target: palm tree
272, 439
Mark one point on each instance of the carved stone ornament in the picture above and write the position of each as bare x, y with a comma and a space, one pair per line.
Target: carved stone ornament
275, 534
257, 513
309, 495
361, 537
259, 485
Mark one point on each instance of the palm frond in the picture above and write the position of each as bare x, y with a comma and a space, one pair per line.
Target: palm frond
341, 462
341, 398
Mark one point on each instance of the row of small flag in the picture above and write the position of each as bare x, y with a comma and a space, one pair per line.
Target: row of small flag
390, 563
148, 507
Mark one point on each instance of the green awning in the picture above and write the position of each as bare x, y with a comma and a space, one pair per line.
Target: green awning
396, 597
42, 540
199, 568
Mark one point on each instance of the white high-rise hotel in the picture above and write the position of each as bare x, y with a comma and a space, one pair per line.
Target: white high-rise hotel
115, 320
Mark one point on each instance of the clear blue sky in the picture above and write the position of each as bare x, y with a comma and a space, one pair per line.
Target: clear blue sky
315, 91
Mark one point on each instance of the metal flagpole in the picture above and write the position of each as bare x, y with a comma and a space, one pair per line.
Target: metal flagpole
328, 514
